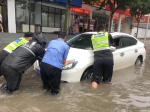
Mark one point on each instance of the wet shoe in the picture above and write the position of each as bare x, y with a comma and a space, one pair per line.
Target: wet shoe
106, 82
55, 92
8, 91
46, 88
3, 87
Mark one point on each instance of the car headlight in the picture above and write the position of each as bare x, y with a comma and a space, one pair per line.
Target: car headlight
70, 65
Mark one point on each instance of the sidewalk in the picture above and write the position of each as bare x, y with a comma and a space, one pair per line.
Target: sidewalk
9, 37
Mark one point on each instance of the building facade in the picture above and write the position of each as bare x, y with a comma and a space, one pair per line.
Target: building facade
49, 15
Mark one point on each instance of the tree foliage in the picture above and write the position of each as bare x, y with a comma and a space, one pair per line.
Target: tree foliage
114, 5
138, 9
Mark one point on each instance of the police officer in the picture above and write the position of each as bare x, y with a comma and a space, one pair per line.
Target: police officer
13, 45
103, 57
15, 64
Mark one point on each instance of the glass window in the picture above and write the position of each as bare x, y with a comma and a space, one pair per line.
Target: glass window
45, 8
51, 9
134, 41
44, 19
117, 43
28, 15
57, 20
127, 42
82, 41
63, 11
58, 11
51, 19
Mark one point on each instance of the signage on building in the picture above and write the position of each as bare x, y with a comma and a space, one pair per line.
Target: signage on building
77, 3
83, 11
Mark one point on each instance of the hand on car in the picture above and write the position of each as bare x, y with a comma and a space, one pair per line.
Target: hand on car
67, 62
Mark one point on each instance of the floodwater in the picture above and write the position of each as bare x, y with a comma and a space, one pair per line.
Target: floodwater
129, 92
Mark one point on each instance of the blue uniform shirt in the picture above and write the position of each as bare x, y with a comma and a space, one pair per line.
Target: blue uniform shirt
56, 51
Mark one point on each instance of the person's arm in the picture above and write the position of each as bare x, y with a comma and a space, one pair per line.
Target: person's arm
66, 62
40, 53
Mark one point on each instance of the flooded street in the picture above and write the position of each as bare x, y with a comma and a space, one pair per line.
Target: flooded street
129, 92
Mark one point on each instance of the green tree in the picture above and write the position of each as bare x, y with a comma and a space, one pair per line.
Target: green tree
138, 9
114, 5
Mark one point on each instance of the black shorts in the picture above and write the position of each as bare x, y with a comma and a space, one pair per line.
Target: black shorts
102, 70
0, 22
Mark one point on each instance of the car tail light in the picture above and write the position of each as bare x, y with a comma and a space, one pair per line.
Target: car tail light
145, 47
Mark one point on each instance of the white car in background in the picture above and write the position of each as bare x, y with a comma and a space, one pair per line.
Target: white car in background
127, 51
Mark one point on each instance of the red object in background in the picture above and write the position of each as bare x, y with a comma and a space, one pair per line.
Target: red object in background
84, 11
116, 18
126, 12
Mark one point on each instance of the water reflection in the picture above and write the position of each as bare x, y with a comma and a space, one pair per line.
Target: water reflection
129, 92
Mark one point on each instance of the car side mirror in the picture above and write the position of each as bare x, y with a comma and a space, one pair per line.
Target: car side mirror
112, 48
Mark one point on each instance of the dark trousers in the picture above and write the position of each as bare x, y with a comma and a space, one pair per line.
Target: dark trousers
102, 68
3, 55
51, 76
12, 77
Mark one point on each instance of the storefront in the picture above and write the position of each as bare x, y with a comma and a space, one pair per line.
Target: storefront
100, 20
115, 24
49, 16
52, 18
79, 20
45, 15
28, 15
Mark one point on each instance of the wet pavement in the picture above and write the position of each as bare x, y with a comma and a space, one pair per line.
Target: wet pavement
129, 92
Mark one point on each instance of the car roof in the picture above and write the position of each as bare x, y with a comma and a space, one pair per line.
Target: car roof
114, 34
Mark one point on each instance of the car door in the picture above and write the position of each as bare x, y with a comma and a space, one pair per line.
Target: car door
118, 54
129, 49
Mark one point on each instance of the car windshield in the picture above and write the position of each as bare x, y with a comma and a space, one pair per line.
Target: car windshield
82, 41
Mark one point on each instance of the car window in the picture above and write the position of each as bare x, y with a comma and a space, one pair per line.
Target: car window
82, 41
127, 41
117, 42
134, 41
120, 42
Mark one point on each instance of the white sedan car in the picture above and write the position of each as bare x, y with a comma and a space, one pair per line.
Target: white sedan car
127, 51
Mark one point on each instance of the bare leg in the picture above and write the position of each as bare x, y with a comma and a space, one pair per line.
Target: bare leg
94, 85
1, 27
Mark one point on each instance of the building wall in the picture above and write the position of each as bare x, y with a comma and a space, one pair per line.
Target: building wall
143, 20
141, 32
12, 15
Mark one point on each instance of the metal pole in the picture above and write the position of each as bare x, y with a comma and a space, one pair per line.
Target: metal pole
146, 27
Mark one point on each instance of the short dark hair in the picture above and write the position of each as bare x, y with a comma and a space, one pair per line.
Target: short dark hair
28, 34
100, 28
61, 34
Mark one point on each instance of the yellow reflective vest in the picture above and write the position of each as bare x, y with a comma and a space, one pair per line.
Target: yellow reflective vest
13, 45
100, 41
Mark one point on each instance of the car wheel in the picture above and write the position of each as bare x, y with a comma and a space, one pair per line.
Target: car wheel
87, 75
138, 62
